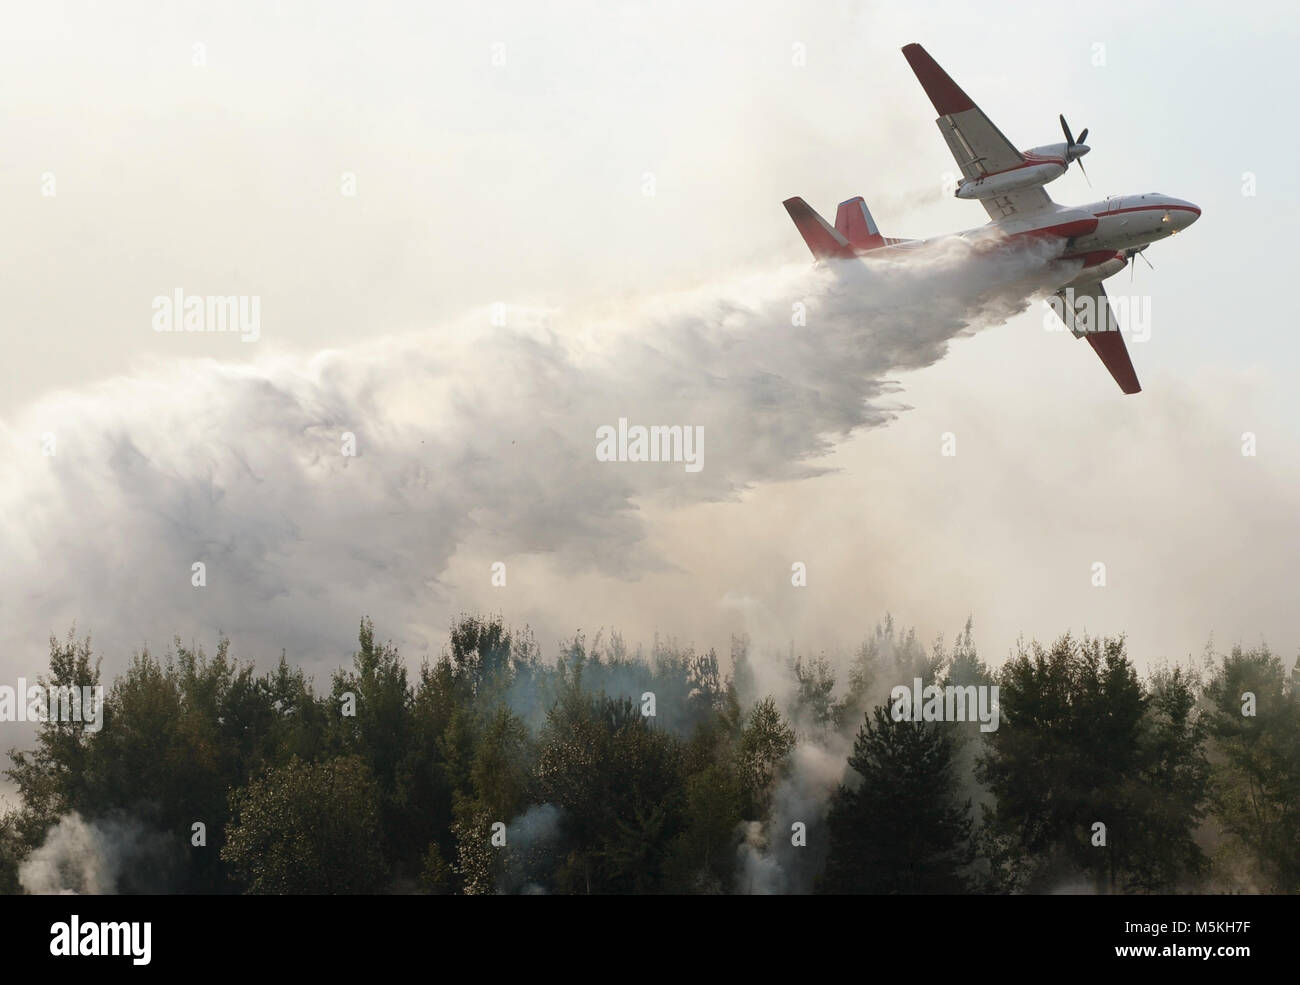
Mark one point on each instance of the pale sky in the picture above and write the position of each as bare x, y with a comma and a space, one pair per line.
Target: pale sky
501, 153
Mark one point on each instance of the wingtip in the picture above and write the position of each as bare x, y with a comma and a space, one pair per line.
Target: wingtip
945, 94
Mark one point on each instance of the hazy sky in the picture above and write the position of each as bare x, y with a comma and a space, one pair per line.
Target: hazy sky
501, 154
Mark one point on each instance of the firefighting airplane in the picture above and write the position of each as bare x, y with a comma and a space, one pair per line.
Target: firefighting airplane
1104, 235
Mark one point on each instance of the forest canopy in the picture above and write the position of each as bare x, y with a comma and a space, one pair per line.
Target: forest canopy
600, 770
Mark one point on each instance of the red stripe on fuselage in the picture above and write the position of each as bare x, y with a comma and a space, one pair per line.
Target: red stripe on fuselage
1151, 208
1076, 227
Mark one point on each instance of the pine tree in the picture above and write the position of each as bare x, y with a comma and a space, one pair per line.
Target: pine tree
901, 830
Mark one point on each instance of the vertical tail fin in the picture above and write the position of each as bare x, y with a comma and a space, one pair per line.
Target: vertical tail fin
822, 238
854, 221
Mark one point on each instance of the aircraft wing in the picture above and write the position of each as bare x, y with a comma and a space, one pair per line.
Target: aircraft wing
977, 145
1091, 317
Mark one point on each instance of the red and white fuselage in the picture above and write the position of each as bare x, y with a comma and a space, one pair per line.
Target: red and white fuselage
1098, 233
1091, 242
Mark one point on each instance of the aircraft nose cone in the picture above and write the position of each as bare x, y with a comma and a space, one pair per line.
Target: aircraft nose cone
1081, 149
1182, 214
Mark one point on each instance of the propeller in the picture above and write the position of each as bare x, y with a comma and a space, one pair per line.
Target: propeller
1075, 149
1136, 251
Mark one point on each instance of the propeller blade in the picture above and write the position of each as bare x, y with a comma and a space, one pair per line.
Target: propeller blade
1079, 161
1083, 137
1132, 254
1069, 137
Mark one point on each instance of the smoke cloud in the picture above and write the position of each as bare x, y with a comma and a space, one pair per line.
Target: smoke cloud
96, 858
769, 862
530, 838
477, 432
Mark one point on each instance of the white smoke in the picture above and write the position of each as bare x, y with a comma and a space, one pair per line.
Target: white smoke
536, 826
760, 874
530, 837
476, 433
770, 862
80, 857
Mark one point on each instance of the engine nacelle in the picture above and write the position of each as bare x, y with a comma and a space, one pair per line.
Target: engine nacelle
1096, 267
1025, 176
